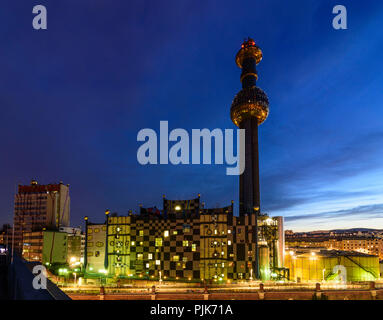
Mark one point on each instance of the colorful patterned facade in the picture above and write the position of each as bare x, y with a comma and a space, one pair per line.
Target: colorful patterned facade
182, 242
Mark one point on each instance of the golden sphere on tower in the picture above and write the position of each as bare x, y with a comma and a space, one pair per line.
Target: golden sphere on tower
249, 102
248, 50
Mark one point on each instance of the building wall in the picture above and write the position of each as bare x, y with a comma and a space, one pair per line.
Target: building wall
368, 245
216, 246
45, 246
74, 254
211, 245
306, 267
141, 246
33, 246
40, 206
119, 244
96, 245
55, 246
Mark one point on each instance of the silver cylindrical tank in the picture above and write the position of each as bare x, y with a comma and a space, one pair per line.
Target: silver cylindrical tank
264, 262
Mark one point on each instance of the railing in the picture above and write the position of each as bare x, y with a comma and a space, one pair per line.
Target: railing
20, 283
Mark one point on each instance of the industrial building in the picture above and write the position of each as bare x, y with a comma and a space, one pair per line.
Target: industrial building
184, 241
187, 241
307, 265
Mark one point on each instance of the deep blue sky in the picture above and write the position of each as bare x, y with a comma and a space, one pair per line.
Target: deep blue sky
74, 97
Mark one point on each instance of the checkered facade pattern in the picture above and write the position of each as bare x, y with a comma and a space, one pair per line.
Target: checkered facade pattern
184, 242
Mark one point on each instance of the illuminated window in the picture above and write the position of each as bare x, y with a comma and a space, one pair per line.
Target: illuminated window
150, 256
175, 232
158, 242
215, 231
90, 237
96, 230
229, 242
185, 243
147, 265
139, 256
90, 230
141, 232
158, 262
141, 243
166, 233
194, 247
133, 243
103, 228
176, 258
184, 259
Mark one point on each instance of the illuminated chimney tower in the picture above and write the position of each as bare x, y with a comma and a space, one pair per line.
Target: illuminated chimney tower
249, 109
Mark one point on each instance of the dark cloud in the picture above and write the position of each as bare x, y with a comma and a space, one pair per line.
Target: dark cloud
302, 180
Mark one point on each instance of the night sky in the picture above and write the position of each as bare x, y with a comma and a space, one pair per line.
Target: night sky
73, 98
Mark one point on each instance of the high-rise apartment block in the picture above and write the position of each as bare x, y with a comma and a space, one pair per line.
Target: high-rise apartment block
40, 206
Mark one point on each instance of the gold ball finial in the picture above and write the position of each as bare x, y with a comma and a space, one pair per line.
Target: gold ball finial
248, 50
249, 102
